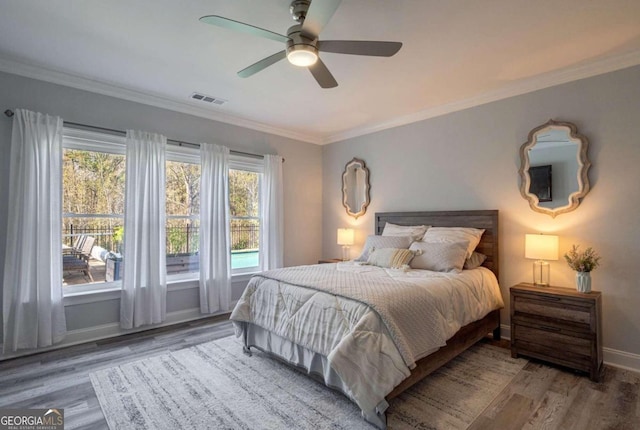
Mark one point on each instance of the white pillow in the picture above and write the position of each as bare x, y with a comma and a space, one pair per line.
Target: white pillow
378, 242
454, 234
439, 257
414, 231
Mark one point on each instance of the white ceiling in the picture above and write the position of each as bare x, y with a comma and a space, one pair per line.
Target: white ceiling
456, 54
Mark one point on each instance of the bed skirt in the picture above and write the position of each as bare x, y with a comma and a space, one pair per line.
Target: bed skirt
315, 364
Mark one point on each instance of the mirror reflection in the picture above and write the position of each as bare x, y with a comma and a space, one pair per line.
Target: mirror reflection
355, 188
554, 168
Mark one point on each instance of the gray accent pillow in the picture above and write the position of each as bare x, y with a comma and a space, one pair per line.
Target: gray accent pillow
377, 242
474, 261
439, 257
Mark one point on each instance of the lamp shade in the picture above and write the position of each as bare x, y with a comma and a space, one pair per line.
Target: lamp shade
345, 236
541, 246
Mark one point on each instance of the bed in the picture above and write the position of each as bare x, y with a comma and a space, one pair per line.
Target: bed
364, 330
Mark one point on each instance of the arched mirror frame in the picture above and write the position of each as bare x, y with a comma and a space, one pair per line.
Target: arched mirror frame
363, 208
583, 167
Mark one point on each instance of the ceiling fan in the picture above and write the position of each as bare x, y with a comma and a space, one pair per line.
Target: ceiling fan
302, 43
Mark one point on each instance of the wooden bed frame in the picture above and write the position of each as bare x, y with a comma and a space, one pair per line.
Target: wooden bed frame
471, 333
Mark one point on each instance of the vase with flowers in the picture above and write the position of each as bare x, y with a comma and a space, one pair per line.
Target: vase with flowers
583, 262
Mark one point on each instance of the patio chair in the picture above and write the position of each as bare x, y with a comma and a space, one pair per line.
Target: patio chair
85, 247
79, 261
77, 245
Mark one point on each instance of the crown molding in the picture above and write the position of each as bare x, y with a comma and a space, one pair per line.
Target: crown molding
524, 86
109, 89
529, 85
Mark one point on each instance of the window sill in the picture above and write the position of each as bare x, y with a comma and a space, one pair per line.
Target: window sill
183, 277
111, 290
88, 293
77, 297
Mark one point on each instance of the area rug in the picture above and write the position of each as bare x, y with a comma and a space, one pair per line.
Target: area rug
215, 386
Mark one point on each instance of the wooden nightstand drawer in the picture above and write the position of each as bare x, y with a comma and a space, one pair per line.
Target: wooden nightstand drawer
553, 324
558, 356
555, 308
558, 325
554, 339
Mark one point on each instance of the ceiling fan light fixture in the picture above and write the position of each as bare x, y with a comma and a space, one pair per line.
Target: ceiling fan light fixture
302, 55
302, 43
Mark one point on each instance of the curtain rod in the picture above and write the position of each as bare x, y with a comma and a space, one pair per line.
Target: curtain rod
10, 113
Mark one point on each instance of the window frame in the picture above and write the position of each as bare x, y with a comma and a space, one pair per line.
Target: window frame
86, 140
182, 154
256, 165
115, 143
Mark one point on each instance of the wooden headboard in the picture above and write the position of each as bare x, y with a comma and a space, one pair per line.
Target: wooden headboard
486, 219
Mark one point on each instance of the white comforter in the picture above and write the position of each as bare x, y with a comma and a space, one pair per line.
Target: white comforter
372, 324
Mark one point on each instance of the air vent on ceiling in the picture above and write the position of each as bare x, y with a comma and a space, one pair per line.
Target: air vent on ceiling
208, 99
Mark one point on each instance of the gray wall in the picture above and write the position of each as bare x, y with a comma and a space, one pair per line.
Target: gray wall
302, 170
469, 160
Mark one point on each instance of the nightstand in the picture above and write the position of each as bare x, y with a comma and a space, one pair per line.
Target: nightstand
330, 260
558, 325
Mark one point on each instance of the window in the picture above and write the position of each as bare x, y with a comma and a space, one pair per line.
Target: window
93, 182
244, 204
93, 211
183, 212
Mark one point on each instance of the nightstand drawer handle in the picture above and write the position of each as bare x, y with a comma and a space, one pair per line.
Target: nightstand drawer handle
546, 327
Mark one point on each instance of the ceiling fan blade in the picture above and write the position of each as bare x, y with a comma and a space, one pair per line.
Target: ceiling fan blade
318, 15
262, 64
323, 75
242, 27
360, 47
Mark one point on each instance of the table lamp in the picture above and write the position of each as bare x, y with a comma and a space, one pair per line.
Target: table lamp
345, 238
541, 247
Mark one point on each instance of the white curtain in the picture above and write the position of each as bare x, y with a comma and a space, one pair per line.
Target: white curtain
33, 310
272, 226
215, 265
144, 283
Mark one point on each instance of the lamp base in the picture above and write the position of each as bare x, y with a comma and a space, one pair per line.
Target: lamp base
346, 253
541, 272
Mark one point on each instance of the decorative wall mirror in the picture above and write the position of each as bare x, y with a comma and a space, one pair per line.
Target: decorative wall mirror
355, 188
553, 168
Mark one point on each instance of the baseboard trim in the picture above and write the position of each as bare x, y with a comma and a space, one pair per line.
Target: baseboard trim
621, 359
611, 357
105, 331
92, 334
505, 331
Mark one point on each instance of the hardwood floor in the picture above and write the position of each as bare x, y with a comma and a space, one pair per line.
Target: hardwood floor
60, 379
544, 396
540, 396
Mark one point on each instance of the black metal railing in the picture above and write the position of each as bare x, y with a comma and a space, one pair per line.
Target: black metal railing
245, 236
180, 240
183, 240
103, 235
